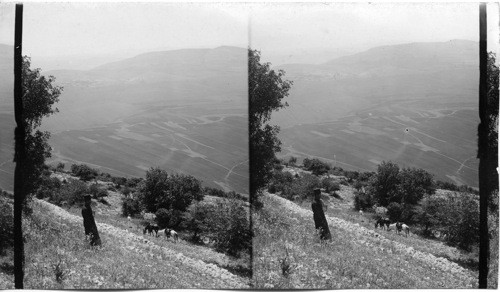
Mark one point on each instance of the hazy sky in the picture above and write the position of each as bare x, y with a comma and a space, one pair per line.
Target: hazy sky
91, 28
289, 27
56, 29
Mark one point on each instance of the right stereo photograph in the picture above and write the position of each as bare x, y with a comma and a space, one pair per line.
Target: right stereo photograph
365, 169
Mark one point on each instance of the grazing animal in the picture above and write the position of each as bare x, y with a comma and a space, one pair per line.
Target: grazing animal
393, 225
399, 227
406, 229
383, 223
171, 233
150, 228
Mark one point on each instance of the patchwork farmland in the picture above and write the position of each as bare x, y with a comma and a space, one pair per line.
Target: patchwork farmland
211, 147
416, 133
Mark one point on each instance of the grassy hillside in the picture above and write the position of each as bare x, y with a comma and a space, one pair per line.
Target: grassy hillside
58, 257
288, 254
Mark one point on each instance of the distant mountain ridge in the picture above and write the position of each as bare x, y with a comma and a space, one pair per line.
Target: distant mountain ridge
161, 66
342, 85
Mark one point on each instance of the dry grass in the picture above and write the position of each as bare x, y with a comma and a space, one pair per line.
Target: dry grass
58, 257
349, 261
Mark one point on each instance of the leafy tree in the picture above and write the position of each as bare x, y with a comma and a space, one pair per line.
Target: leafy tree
492, 147
395, 211
232, 226
317, 166
39, 96
413, 185
84, 172
60, 167
385, 183
431, 215
266, 88
302, 188
130, 206
330, 185
463, 221
48, 185
292, 161
199, 219
119, 181
455, 215
70, 194
363, 200
6, 225
446, 185
97, 192
133, 182
174, 192
162, 217
351, 175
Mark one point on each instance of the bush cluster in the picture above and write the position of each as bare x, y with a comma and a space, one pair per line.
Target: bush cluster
294, 188
84, 172
6, 222
316, 166
227, 221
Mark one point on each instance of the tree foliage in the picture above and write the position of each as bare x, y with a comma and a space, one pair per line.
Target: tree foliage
171, 192
226, 220
267, 88
84, 172
413, 185
130, 206
455, 216
6, 224
39, 96
316, 166
405, 186
492, 147
385, 183
294, 188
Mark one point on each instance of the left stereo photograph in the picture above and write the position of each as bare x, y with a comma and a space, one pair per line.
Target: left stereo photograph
133, 168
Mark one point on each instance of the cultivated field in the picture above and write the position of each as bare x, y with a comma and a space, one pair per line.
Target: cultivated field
208, 141
7, 150
438, 137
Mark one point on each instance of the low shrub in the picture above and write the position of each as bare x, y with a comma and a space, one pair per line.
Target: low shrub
363, 201
6, 226
130, 207
84, 172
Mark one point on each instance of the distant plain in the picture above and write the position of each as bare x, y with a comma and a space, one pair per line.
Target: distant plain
415, 104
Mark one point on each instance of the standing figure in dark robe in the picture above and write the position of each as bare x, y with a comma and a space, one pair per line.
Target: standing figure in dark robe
89, 223
319, 216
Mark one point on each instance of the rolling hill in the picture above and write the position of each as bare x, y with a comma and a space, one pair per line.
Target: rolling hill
415, 104
182, 110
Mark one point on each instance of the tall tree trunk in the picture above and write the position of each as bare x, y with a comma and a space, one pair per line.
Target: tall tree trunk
20, 152
484, 188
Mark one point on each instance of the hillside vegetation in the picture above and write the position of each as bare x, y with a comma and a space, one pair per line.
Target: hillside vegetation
59, 257
289, 254
6, 240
